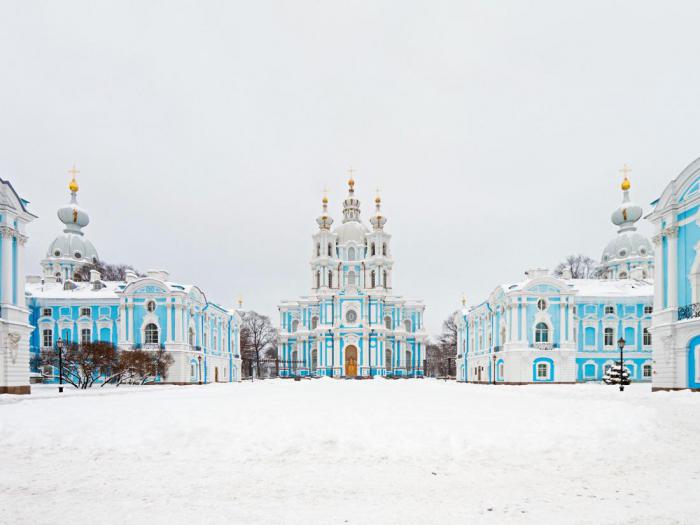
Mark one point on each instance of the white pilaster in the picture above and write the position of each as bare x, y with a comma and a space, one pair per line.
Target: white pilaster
672, 236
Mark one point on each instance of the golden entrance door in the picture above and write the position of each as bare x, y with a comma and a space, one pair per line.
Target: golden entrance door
351, 361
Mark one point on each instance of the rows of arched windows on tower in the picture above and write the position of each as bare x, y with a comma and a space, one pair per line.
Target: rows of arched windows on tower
351, 277
373, 248
351, 317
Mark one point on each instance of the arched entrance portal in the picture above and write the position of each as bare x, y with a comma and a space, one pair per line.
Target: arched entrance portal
351, 361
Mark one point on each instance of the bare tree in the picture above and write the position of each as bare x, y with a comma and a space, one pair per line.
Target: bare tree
579, 266
82, 364
258, 336
108, 272
439, 354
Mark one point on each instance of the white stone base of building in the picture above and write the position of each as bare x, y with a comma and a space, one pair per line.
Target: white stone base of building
676, 352
14, 351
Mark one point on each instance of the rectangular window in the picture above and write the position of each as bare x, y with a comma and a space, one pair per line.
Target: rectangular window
85, 312
85, 336
46, 312
647, 337
47, 338
609, 310
647, 370
648, 309
542, 371
609, 337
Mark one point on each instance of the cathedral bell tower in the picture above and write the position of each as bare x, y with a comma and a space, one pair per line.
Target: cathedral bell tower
323, 258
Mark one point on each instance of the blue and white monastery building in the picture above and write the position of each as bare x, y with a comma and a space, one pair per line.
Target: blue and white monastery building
352, 324
545, 329
676, 324
143, 312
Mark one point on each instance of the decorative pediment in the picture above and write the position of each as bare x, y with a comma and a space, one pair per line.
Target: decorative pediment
150, 289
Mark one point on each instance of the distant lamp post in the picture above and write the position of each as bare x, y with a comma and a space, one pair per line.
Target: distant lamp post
621, 346
494, 368
369, 351
61, 345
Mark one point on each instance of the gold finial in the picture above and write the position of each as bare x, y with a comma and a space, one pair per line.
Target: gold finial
325, 196
240, 301
351, 180
625, 183
378, 198
464, 300
73, 186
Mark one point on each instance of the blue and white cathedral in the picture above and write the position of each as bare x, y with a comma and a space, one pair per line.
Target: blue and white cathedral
352, 324
546, 329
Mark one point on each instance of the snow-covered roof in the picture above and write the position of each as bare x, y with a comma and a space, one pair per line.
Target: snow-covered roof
82, 290
595, 287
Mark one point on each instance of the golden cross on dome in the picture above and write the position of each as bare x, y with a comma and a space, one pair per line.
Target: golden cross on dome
625, 170
73, 171
351, 171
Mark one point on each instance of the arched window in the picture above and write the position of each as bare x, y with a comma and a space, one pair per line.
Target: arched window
373, 279
190, 336
318, 279
409, 365
151, 306
216, 343
384, 280
295, 358
623, 275
85, 336
151, 334
373, 249
387, 360
609, 337
318, 249
407, 325
295, 325
351, 278
351, 254
647, 337
330, 249
330, 278
542, 370
384, 249
500, 371
387, 322
314, 322
47, 338
541, 305
541, 333
314, 359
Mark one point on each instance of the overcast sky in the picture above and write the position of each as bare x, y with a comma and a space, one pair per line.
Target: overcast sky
205, 131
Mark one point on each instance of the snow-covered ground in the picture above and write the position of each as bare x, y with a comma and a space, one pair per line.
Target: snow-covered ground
329, 451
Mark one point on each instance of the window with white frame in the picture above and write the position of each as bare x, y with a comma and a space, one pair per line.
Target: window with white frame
609, 337
85, 312
647, 337
314, 322
646, 370
85, 336
542, 370
407, 325
295, 325
351, 316
151, 306
351, 254
151, 334
541, 305
47, 338
541, 333
387, 322
500, 371
648, 309
46, 312
351, 278
609, 309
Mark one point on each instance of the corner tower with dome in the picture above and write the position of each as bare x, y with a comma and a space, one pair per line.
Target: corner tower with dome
71, 249
630, 254
352, 324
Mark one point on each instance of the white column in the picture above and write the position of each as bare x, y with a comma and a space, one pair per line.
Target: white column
523, 318
672, 236
20, 271
6, 266
122, 323
658, 273
168, 321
